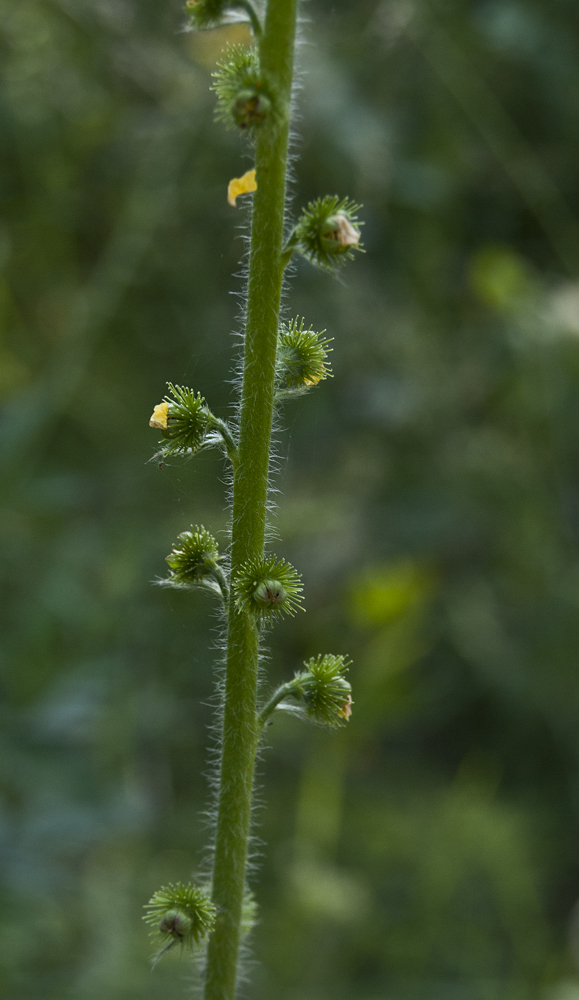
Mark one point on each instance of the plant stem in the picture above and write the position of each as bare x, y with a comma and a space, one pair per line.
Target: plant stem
248, 7
270, 707
241, 726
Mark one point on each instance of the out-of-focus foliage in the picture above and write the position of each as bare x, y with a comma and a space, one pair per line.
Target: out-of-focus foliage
430, 499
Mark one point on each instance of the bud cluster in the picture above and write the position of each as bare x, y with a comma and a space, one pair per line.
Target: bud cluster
302, 358
243, 97
267, 588
179, 915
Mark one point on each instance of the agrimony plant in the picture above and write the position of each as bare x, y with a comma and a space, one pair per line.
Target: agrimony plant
254, 94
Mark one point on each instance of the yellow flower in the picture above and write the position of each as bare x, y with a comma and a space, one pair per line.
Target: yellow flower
159, 417
241, 185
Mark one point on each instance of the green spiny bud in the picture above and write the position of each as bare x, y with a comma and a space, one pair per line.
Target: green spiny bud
243, 97
302, 358
268, 588
188, 425
179, 914
323, 691
194, 561
327, 232
183, 419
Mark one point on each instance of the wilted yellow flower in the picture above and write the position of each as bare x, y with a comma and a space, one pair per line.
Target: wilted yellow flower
159, 417
346, 234
314, 379
346, 710
241, 185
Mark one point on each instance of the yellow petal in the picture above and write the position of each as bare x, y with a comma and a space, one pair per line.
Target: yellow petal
241, 185
314, 379
159, 417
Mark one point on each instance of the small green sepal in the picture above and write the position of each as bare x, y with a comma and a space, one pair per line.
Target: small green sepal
179, 915
327, 232
243, 98
302, 358
268, 588
194, 562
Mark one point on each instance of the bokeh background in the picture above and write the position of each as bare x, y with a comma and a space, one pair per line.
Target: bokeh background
429, 494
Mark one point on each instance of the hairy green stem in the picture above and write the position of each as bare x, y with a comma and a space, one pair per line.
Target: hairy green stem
270, 706
241, 726
228, 439
249, 9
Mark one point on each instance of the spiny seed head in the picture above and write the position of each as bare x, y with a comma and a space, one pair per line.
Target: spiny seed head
323, 690
243, 98
183, 418
302, 357
268, 588
328, 231
179, 914
193, 558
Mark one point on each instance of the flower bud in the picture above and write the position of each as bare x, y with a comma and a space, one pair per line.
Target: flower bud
302, 358
176, 923
324, 692
179, 914
183, 418
194, 562
244, 99
327, 232
270, 593
267, 588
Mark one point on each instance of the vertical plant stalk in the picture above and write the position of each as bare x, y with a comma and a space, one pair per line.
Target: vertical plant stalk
241, 725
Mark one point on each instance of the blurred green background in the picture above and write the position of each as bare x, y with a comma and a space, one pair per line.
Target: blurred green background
430, 496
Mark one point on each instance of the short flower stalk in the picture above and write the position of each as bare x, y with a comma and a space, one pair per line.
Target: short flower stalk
256, 588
